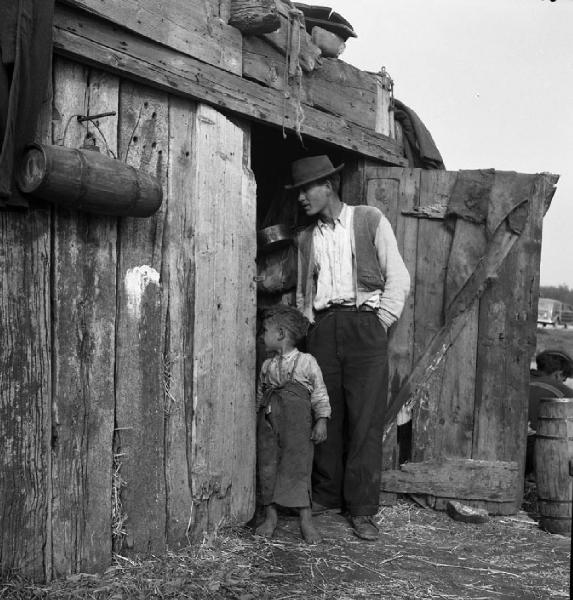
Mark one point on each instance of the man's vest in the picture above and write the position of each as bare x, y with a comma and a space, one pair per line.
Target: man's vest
368, 274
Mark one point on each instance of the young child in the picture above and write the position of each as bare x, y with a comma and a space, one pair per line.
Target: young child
293, 407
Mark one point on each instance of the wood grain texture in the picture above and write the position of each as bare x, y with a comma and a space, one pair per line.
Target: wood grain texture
434, 243
26, 385
178, 276
464, 479
223, 451
506, 331
191, 27
142, 306
96, 42
334, 86
384, 193
25, 392
84, 310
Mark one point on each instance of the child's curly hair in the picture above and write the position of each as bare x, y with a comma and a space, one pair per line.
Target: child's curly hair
289, 318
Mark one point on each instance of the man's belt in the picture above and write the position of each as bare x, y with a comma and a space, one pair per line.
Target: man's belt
345, 308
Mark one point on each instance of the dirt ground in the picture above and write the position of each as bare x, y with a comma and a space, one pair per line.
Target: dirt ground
421, 554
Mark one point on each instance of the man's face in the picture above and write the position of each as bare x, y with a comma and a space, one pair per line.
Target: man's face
314, 197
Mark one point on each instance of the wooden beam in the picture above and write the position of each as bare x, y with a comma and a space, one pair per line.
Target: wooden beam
356, 93
183, 26
98, 42
463, 479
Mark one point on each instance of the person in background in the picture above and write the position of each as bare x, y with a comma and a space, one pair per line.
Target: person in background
351, 284
554, 367
293, 407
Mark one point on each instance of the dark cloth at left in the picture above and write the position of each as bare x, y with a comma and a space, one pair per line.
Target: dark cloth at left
284, 448
25, 69
421, 150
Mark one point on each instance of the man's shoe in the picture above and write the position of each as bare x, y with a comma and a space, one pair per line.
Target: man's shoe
364, 528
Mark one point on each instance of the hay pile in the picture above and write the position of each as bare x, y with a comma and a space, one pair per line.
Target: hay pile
421, 554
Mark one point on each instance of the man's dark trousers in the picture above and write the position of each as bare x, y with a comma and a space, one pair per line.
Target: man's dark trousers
351, 349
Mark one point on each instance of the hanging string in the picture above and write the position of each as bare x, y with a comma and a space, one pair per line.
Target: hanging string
293, 70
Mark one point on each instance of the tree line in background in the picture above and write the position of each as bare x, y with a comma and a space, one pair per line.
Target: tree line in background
560, 292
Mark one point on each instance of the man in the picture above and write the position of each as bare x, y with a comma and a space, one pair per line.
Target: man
352, 285
554, 367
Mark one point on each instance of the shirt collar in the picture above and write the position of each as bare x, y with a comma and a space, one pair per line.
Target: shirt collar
342, 218
286, 356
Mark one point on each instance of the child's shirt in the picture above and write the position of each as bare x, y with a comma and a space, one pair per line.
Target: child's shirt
279, 369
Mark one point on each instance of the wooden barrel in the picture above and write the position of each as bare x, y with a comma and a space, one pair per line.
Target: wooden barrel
88, 181
553, 449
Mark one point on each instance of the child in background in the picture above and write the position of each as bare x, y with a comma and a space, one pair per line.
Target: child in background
293, 407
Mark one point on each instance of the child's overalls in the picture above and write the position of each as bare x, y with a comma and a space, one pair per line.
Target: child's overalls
284, 447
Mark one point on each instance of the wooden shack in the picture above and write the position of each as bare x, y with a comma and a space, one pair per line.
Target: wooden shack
128, 363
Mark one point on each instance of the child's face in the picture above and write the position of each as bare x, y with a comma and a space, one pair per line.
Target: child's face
272, 336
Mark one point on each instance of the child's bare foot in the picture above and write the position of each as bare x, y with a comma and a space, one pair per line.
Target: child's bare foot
307, 528
268, 526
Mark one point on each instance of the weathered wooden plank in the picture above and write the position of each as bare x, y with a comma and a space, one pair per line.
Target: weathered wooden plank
140, 385
192, 28
462, 479
334, 86
221, 457
505, 326
25, 392
96, 42
84, 298
178, 269
383, 192
26, 385
434, 243
243, 477
401, 341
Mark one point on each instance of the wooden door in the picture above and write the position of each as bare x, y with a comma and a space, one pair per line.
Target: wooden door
459, 355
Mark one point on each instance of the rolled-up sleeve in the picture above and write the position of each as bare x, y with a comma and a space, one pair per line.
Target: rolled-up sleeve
397, 278
319, 400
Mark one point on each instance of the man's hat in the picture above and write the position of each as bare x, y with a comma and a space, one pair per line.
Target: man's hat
311, 169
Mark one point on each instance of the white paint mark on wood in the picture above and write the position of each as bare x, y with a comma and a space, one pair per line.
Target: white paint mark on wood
136, 282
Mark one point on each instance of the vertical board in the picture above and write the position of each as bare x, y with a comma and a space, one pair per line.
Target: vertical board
433, 249
140, 383
504, 343
223, 451
178, 277
84, 306
401, 342
394, 190
26, 385
25, 381
451, 406
243, 469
